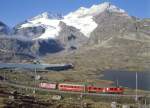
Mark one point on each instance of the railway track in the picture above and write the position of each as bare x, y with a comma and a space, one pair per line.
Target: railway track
70, 92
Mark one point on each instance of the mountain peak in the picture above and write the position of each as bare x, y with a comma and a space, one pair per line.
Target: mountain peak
44, 15
106, 6
96, 9
48, 15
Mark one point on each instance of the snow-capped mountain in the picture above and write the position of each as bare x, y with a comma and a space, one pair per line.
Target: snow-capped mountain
82, 19
50, 26
103, 25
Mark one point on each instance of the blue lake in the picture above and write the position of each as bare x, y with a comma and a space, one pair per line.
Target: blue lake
128, 79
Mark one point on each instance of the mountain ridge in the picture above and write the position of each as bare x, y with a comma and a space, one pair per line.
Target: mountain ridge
82, 19
98, 25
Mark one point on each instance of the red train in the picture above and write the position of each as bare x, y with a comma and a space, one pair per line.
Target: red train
81, 88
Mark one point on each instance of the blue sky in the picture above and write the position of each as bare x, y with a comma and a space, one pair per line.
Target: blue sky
16, 11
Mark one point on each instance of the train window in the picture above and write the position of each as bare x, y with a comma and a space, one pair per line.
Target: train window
95, 88
111, 88
120, 88
100, 88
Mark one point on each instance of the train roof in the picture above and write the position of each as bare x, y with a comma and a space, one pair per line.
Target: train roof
71, 84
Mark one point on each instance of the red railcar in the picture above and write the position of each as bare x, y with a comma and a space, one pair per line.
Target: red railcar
48, 85
94, 89
112, 90
71, 87
105, 90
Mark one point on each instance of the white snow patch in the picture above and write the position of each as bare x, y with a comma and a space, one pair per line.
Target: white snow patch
85, 24
51, 27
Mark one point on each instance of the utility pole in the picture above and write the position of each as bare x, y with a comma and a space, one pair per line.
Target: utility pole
4, 76
117, 82
145, 103
136, 98
34, 78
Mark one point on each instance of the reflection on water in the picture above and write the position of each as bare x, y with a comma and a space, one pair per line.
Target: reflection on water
23, 65
128, 79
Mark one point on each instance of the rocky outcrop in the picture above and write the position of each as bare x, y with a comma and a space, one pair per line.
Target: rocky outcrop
29, 32
71, 37
4, 30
